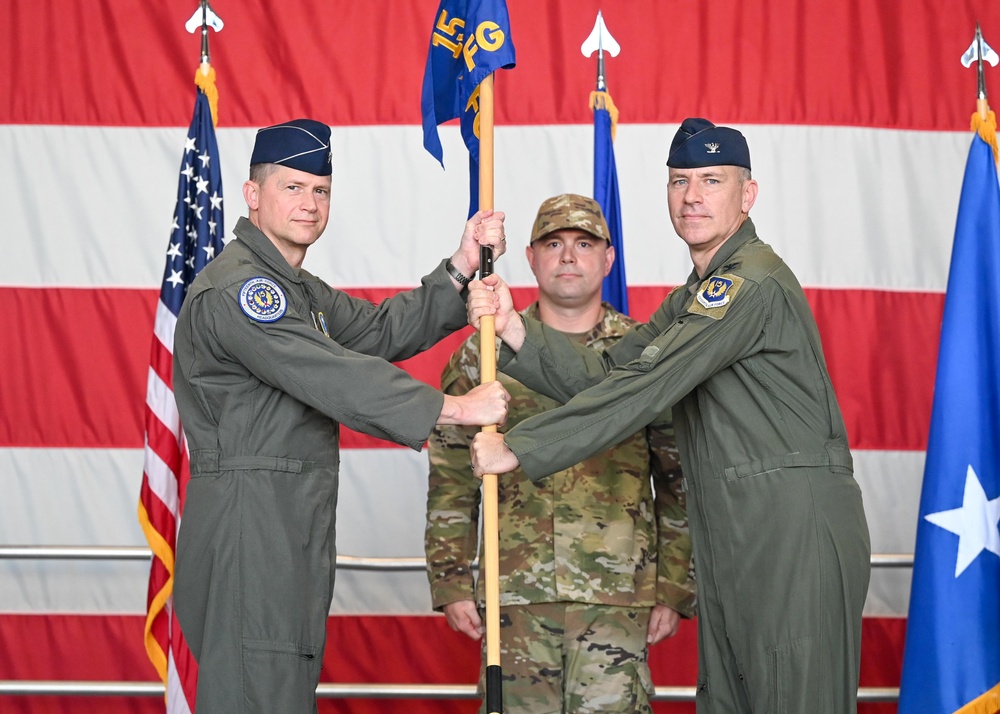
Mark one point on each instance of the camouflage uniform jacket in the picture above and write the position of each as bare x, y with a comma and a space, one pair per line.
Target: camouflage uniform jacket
592, 533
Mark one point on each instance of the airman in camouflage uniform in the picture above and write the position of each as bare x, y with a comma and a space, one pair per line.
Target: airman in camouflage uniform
586, 554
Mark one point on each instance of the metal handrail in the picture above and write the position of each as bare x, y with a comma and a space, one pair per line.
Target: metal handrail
324, 691
347, 562
141, 553
346, 691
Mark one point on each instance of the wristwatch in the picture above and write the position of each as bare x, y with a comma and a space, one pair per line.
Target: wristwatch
457, 274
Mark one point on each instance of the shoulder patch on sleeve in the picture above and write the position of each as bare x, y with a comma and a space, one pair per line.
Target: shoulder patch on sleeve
715, 295
263, 300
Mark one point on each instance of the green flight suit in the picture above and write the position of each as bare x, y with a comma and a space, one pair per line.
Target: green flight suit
261, 401
780, 539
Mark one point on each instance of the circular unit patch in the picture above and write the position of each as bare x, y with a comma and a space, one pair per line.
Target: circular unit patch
262, 300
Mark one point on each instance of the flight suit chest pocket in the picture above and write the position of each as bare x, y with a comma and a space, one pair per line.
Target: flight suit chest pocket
658, 348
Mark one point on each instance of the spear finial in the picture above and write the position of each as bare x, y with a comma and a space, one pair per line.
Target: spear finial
977, 52
600, 40
983, 121
204, 17
204, 77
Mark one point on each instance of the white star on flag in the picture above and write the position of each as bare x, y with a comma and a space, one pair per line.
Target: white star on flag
175, 250
189, 144
202, 185
188, 171
204, 158
175, 278
975, 523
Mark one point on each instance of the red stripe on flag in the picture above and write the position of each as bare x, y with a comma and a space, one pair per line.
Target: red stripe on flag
161, 361
401, 649
162, 441
787, 62
881, 348
76, 362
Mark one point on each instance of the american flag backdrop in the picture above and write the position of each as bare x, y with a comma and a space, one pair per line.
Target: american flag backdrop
195, 238
857, 115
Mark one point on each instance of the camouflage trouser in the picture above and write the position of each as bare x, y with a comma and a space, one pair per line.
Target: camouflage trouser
573, 658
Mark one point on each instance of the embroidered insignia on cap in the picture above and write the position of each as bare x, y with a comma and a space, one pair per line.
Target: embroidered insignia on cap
713, 148
715, 292
262, 300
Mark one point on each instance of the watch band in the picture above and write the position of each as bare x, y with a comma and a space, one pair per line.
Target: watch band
457, 274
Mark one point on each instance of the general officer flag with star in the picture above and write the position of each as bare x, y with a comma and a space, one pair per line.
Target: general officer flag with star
951, 661
470, 40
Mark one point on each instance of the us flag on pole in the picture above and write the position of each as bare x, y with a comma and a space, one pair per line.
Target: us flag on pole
195, 238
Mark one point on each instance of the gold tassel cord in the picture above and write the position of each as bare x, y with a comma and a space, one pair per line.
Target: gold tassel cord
987, 130
603, 100
988, 702
206, 83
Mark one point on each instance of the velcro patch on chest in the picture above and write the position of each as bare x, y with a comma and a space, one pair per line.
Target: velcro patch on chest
715, 295
263, 300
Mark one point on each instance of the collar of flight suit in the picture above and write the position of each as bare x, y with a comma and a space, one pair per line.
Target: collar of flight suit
744, 233
255, 239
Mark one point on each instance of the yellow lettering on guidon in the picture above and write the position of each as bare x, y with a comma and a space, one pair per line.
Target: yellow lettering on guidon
488, 36
473, 104
454, 38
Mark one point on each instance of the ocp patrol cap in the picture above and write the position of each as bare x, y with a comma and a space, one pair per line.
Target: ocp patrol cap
570, 210
699, 143
302, 144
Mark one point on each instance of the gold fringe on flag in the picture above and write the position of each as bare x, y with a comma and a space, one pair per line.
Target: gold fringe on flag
206, 83
988, 702
161, 550
987, 130
603, 100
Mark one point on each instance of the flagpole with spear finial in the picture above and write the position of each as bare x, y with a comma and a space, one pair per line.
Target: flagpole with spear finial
614, 289
204, 17
598, 41
984, 120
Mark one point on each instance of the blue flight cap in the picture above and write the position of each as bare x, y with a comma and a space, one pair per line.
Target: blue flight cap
699, 143
301, 144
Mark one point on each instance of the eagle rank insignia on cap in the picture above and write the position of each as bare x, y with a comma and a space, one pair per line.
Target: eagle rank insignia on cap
262, 300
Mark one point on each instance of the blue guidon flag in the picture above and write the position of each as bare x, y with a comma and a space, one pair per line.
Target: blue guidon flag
470, 40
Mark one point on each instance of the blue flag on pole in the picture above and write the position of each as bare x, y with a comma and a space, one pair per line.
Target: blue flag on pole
952, 654
615, 288
470, 40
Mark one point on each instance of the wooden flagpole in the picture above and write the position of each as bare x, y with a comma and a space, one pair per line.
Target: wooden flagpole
490, 567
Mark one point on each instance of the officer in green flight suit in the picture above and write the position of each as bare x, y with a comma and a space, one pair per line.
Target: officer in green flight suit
781, 546
269, 360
